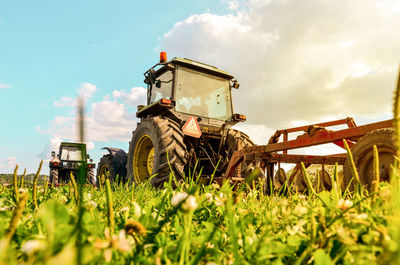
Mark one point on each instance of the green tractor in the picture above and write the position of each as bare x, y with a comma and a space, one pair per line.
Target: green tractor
187, 120
68, 161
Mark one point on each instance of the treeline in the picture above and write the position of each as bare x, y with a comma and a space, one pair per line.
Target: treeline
28, 179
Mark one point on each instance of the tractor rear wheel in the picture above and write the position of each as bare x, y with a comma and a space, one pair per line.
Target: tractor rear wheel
105, 169
363, 157
154, 139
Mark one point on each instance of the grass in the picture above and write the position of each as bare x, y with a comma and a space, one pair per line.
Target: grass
201, 224
217, 225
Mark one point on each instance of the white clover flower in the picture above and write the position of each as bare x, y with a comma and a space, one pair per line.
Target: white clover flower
137, 209
190, 204
91, 204
250, 240
299, 210
125, 209
220, 200
344, 204
302, 197
209, 245
209, 197
361, 216
64, 199
32, 246
178, 198
21, 190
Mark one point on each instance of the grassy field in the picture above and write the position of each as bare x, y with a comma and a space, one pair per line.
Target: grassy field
201, 224
196, 224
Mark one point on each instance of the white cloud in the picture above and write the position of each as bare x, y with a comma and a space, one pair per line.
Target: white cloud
87, 90
258, 133
2, 86
233, 5
65, 102
299, 60
130, 98
105, 120
8, 163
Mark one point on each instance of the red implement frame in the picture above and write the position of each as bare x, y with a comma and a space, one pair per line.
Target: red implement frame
315, 134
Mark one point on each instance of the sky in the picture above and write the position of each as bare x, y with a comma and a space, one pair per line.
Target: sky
297, 62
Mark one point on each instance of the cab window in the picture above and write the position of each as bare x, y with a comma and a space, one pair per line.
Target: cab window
162, 88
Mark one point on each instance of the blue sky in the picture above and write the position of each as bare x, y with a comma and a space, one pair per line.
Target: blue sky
48, 48
297, 62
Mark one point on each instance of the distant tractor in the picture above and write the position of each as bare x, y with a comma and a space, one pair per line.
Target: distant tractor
187, 120
68, 160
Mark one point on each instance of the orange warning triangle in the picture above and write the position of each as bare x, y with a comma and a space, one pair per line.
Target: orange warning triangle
192, 128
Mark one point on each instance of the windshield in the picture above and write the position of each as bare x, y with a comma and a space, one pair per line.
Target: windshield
71, 153
162, 88
202, 94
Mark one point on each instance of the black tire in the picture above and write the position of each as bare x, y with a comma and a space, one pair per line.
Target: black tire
53, 176
105, 168
90, 176
238, 140
163, 136
363, 157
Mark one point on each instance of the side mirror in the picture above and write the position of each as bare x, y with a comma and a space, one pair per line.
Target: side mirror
235, 84
88, 156
158, 83
53, 154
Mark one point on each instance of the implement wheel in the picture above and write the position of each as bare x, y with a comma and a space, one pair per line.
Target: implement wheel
153, 139
105, 168
363, 157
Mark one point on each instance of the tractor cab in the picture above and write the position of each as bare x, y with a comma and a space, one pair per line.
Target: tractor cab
184, 87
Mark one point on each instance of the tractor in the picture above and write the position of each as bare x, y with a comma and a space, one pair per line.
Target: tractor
68, 161
186, 125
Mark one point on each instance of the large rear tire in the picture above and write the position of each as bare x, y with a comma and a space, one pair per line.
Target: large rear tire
153, 139
363, 157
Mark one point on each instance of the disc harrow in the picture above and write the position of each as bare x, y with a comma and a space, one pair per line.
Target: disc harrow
275, 153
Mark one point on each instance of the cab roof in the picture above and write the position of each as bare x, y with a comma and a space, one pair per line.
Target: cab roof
72, 144
201, 66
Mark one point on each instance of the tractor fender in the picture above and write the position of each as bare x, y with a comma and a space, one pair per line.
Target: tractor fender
119, 159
